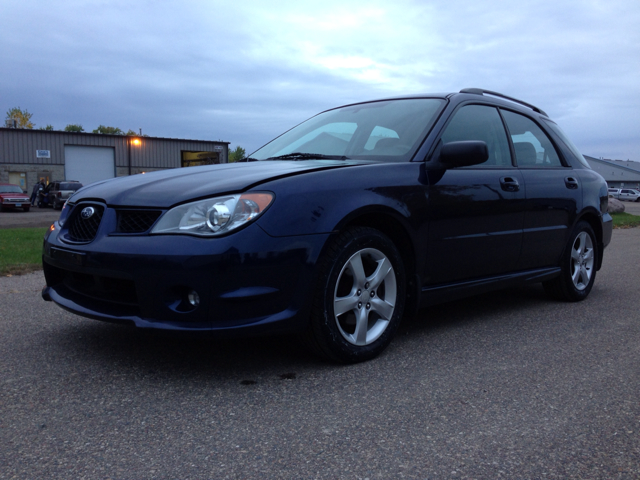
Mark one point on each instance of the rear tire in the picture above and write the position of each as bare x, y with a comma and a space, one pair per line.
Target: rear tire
578, 266
360, 297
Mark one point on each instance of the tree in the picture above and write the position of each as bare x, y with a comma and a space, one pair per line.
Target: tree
73, 128
108, 130
48, 128
237, 154
22, 117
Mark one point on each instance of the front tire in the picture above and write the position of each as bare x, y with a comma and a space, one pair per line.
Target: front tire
360, 297
578, 266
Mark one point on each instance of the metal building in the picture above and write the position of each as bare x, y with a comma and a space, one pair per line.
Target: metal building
27, 156
617, 173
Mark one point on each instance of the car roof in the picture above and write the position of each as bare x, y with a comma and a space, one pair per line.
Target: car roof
490, 96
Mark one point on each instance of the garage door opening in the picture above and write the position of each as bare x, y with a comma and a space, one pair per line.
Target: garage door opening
194, 159
88, 164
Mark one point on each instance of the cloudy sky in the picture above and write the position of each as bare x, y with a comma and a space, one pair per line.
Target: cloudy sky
244, 71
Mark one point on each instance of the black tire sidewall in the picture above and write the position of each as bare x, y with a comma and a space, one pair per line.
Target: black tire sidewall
324, 323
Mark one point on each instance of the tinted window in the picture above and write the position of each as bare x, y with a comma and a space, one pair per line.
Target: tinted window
70, 186
533, 147
558, 131
478, 122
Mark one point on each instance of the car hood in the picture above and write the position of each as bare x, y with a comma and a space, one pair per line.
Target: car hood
166, 188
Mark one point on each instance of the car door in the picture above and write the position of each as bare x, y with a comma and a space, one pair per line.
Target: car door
475, 213
627, 194
553, 193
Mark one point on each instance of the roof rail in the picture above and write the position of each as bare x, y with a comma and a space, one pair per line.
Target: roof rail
480, 91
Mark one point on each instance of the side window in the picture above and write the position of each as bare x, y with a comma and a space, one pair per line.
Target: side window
533, 147
479, 122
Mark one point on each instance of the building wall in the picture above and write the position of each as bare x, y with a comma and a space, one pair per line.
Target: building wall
617, 175
18, 152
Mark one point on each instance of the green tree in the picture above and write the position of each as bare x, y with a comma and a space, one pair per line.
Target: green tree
22, 117
131, 133
237, 154
108, 130
48, 128
73, 128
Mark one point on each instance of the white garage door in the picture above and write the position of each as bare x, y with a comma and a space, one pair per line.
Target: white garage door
89, 164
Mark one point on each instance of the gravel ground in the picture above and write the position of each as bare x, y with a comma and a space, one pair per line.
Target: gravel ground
508, 385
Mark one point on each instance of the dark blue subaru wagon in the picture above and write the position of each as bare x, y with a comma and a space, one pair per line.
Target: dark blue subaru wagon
341, 226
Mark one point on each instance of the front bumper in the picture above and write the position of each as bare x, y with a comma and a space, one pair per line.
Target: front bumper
247, 282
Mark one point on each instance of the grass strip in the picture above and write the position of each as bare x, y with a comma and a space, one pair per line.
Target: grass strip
625, 220
21, 250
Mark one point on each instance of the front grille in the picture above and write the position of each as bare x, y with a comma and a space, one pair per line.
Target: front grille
83, 228
114, 290
136, 221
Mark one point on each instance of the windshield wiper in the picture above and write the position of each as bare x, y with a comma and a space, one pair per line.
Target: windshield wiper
308, 156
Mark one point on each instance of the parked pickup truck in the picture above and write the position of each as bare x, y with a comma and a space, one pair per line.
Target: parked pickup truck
625, 194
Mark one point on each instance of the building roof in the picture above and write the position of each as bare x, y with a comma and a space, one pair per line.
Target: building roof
615, 171
62, 132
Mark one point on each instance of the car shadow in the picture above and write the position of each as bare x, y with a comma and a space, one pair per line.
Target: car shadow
248, 361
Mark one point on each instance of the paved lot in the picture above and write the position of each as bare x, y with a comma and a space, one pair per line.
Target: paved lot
35, 217
632, 207
509, 385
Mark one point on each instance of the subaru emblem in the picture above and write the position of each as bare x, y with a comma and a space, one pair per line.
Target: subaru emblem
87, 212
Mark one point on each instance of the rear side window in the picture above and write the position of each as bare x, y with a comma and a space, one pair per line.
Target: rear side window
70, 186
479, 122
533, 147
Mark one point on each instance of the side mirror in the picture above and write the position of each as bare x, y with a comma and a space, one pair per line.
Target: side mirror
464, 153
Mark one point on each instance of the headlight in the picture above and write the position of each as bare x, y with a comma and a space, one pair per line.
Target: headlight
64, 214
214, 216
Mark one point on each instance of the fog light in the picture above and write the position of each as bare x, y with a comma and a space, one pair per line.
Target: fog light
194, 298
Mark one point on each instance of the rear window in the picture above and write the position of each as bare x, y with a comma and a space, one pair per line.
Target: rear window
70, 186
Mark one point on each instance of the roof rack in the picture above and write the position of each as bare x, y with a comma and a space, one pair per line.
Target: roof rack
480, 91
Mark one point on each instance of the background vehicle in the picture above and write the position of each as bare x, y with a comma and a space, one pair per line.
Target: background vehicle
341, 226
56, 193
629, 194
12, 197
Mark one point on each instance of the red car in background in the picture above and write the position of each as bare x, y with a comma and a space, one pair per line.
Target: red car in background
12, 197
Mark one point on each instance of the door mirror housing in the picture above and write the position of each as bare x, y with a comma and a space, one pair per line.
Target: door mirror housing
463, 153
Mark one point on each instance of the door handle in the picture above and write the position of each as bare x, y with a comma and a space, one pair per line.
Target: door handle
571, 183
509, 184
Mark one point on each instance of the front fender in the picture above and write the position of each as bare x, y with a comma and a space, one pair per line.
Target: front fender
322, 202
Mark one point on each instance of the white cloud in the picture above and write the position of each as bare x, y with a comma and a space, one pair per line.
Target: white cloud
244, 71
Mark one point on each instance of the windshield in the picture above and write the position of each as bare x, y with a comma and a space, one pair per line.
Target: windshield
10, 189
390, 130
